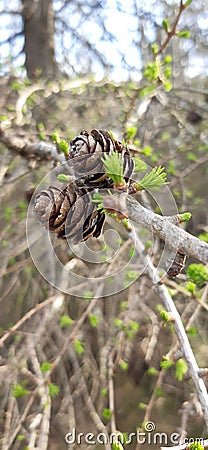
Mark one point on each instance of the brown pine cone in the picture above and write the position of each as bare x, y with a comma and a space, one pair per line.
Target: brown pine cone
85, 157
176, 265
69, 213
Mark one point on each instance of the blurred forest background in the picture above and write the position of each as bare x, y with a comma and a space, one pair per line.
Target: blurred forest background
77, 361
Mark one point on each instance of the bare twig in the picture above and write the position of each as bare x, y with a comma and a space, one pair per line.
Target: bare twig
112, 393
188, 294
188, 170
155, 330
21, 420
45, 399
26, 317
77, 327
152, 401
178, 287
104, 358
88, 401
185, 412
8, 419
15, 267
131, 313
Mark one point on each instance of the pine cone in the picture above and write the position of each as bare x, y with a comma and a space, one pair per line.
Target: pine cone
69, 213
176, 265
85, 157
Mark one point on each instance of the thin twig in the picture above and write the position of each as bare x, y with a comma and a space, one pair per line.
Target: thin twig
44, 396
172, 32
26, 317
155, 330
88, 401
21, 420
16, 266
188, 170
8, 420
77, 327
111, 393
178, 287
185, 412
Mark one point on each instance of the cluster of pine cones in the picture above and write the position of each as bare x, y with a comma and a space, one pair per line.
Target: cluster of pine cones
70, 213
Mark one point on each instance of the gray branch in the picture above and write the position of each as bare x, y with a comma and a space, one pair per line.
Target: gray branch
39, 150
165, 227
193, 367
176, 238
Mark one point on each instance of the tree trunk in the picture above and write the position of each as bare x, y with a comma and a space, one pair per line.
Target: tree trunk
38, 18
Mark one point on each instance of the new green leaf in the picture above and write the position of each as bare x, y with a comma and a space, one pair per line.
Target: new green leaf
187, 3
45, 367
53, 390
123, 365
117, 446
153, 180
114, 166
107, 413
185, 217
166, 364
154, 48
196, 446
140, 166
130, 133
65, 321
94, 320
165, 25
18, 391
79, 347
55, 137
98, 198
183, 34
181, 369
87, 295
64, 147
63, 178
198, 273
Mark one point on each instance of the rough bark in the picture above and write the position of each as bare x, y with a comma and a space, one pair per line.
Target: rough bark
176, 238
165, 227
38, 19
28, 149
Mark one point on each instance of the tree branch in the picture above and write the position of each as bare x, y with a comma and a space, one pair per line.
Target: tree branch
179, 328
177, 238
162, 226
41, 150
172, 32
